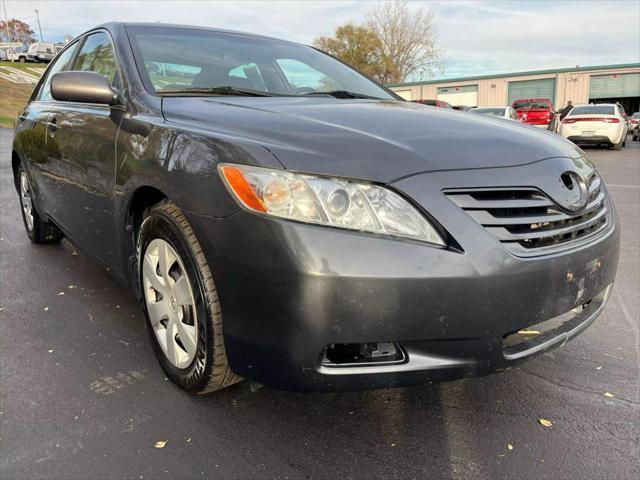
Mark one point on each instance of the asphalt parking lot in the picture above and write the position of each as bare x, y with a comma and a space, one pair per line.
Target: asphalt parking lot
82, 395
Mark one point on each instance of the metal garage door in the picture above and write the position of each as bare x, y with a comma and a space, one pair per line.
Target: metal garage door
544, 88
465, 95
615, 85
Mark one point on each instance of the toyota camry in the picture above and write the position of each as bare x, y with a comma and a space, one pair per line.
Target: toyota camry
285, 219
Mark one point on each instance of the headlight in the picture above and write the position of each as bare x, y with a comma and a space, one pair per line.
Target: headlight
327, 201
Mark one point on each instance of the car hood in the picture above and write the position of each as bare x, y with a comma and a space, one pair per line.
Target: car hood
371, 140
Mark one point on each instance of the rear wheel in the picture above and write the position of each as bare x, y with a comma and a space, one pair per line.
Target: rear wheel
181, 302
618, 146
38, 230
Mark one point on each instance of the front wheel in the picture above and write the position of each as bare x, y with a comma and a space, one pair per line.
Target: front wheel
38, 230
181, 302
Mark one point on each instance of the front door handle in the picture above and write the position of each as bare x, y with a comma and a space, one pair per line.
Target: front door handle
52, 124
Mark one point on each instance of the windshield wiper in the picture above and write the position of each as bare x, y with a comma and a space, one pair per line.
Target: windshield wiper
342, 94
222, 90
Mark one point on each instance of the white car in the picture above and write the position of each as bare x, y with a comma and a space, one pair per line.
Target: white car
17, 54
500, 112
41, 52
601, 124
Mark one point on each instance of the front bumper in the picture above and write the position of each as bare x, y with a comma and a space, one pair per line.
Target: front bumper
288, 290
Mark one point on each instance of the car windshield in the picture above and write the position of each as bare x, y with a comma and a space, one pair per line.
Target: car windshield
530, 105
636, 115
182, 60
593, 109
493, 112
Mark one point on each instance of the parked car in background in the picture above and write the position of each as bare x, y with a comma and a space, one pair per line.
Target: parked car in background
434, 103
17, 54
602, 124
537, 112
308, 232
41, 52
463, 108
634, 125
3, 54
501, 112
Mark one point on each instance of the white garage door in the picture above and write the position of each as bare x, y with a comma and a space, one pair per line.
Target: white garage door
464, 95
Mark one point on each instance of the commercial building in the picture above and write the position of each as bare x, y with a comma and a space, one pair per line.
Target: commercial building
598, 84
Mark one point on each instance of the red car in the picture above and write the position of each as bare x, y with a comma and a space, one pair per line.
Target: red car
537, 112
434, 103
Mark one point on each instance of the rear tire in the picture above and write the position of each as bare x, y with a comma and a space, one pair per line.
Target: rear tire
180, 302
618, 146
38, 230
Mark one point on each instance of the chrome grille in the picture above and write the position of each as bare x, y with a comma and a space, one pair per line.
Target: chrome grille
527, 222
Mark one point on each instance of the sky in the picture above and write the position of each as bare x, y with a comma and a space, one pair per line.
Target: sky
476, 37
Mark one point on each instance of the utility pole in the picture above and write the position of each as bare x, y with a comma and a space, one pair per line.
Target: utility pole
6, 20
39, 27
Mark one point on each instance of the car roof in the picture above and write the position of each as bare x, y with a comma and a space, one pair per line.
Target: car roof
596, 105
109, 25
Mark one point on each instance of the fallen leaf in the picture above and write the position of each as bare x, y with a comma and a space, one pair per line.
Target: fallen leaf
544, 422
609, 395
529, 332
161, 443
509, 446
60, 294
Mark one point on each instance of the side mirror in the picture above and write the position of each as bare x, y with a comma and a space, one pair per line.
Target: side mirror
83, 87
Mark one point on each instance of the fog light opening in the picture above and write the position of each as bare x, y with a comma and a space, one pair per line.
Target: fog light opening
349, 354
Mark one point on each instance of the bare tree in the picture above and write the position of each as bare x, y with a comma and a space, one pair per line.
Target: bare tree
409, 41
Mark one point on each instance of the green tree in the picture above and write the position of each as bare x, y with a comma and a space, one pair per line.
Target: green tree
356, 45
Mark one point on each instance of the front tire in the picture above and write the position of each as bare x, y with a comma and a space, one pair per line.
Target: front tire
38, 230
180, 302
